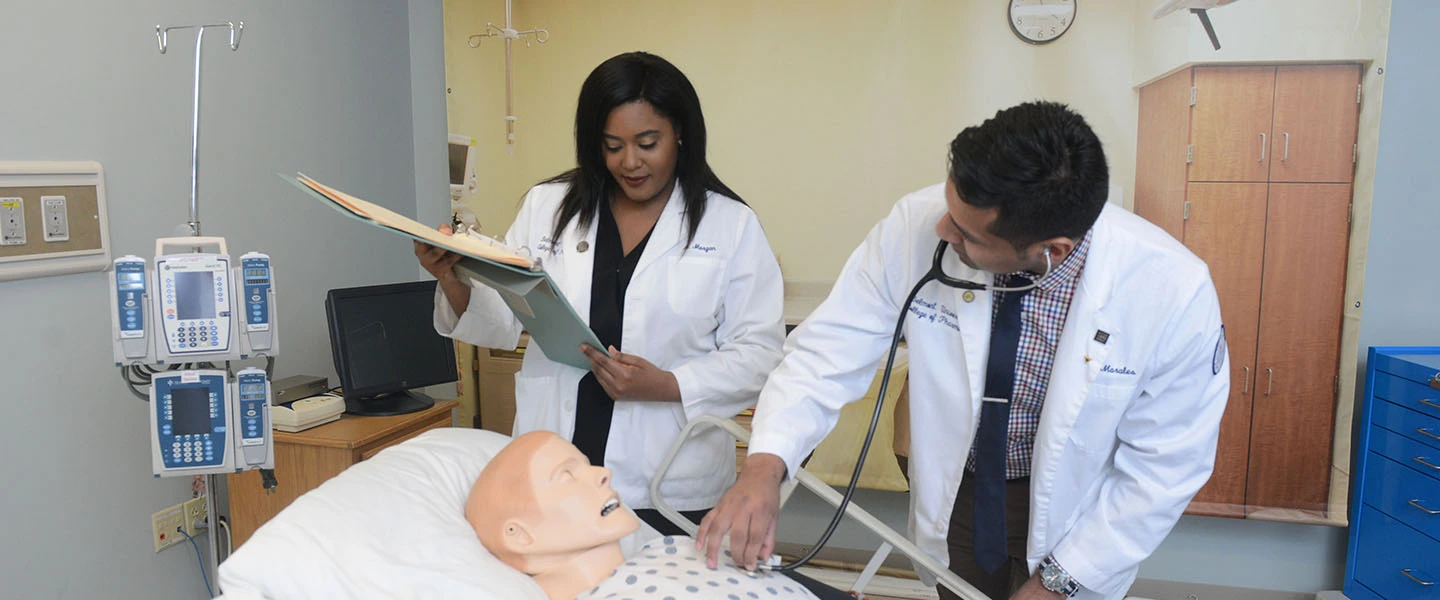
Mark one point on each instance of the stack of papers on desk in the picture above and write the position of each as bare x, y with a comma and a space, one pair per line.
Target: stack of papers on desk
535, 299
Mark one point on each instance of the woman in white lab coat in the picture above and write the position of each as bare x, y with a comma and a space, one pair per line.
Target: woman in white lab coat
669, 268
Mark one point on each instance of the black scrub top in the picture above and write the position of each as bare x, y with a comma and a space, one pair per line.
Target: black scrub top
608, 281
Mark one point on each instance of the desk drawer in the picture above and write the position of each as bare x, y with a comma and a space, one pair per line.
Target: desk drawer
1405, 451
1413, 424
1406, 393
1403, 494
1396, 561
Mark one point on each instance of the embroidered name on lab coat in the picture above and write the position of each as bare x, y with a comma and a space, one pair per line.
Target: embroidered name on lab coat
1121, 370
928, 311
705, 249
548, 245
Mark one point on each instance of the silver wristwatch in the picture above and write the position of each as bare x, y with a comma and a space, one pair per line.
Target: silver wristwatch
1055, 579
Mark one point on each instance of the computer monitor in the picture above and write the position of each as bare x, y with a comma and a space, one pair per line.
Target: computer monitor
385, 346
462, 166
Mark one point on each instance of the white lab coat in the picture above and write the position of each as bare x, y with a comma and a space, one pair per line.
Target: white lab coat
1129, 426
709, 311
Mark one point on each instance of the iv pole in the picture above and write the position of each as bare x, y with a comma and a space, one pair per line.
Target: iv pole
509, 35
161, 36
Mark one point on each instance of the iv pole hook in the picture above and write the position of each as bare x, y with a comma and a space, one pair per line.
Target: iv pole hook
161, 36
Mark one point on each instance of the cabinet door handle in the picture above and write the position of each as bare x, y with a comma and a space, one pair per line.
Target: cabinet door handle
1427, 402
1416, 579
1262, 148
1246, 389
1286, 156
1415, 502
1270, 381
1426, 432
1421, 460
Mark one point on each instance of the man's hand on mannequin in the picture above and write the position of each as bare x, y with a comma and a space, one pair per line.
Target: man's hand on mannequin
748, 512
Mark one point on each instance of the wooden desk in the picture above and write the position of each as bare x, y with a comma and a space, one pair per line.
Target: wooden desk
306, 459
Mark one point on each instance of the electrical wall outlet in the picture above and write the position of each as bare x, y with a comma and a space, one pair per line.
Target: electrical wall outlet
197, 517
165, 526
12, 221
57, 221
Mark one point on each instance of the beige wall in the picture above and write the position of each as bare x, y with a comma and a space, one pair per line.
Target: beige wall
821, 113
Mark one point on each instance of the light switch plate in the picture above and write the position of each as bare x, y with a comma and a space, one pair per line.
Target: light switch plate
12, 221
57, 222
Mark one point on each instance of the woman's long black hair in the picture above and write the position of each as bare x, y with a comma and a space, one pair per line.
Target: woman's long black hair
631, 77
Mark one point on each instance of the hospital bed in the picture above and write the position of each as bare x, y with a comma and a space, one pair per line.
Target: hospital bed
394, 527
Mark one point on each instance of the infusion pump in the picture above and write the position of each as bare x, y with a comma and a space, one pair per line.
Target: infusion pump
201, 422
195, 306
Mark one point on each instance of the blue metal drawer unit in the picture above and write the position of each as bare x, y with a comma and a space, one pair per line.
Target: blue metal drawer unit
1395, 513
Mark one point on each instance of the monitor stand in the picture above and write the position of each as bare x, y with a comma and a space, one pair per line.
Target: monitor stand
385, 405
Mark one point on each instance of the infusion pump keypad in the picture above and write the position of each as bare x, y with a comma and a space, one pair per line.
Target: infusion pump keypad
199, 334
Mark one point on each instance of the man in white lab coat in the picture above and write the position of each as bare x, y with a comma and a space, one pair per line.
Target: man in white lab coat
1059, 429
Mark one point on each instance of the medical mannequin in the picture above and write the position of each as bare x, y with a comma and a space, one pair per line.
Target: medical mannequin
540, 507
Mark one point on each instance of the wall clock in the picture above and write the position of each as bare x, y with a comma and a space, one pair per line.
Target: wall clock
1041, 21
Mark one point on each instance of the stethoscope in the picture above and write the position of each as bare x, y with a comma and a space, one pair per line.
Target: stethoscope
936, 273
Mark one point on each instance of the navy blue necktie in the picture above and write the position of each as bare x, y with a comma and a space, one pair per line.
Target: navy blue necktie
995, 428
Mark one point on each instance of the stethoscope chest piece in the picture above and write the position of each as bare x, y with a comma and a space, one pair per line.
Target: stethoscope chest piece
968, 296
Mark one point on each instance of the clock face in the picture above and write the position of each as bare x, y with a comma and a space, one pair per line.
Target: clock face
1041, 21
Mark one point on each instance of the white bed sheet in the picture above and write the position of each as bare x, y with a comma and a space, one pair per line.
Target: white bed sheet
392, 526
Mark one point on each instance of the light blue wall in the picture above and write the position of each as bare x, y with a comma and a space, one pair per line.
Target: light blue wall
334, 88
1401, 289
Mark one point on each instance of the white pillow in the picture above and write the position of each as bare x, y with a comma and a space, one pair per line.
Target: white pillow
392, 526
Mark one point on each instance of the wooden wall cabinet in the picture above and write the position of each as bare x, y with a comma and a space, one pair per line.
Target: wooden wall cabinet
1251, 167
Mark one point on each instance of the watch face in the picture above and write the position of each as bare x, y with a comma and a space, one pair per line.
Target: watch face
1052, 579
1041, 21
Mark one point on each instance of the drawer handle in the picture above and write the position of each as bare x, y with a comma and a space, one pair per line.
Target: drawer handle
1426, 432
1246, 389
1415, 502
1435, 381
1427, 402
1416, 579
1421, 460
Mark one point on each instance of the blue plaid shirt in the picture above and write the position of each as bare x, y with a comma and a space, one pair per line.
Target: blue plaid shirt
1042, 318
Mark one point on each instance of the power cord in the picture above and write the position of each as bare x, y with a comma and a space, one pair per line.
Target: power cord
199, 559
229, 538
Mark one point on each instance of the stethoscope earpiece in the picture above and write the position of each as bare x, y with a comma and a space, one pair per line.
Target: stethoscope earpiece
937, 273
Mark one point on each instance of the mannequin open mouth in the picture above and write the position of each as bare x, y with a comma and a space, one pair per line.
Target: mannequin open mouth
610, 506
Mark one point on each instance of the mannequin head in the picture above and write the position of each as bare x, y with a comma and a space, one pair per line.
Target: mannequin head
539, 506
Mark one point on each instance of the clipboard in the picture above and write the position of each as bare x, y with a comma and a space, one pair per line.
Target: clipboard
523, 284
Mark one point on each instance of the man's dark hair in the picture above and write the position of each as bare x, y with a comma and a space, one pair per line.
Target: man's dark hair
1041, 164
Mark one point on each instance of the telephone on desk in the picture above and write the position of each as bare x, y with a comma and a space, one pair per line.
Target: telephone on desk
309, 412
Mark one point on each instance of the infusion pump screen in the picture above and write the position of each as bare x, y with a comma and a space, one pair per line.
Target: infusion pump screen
256, 275
191, 410
195, 295
131, 281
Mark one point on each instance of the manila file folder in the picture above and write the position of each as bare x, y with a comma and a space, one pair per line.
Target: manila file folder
526, 288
